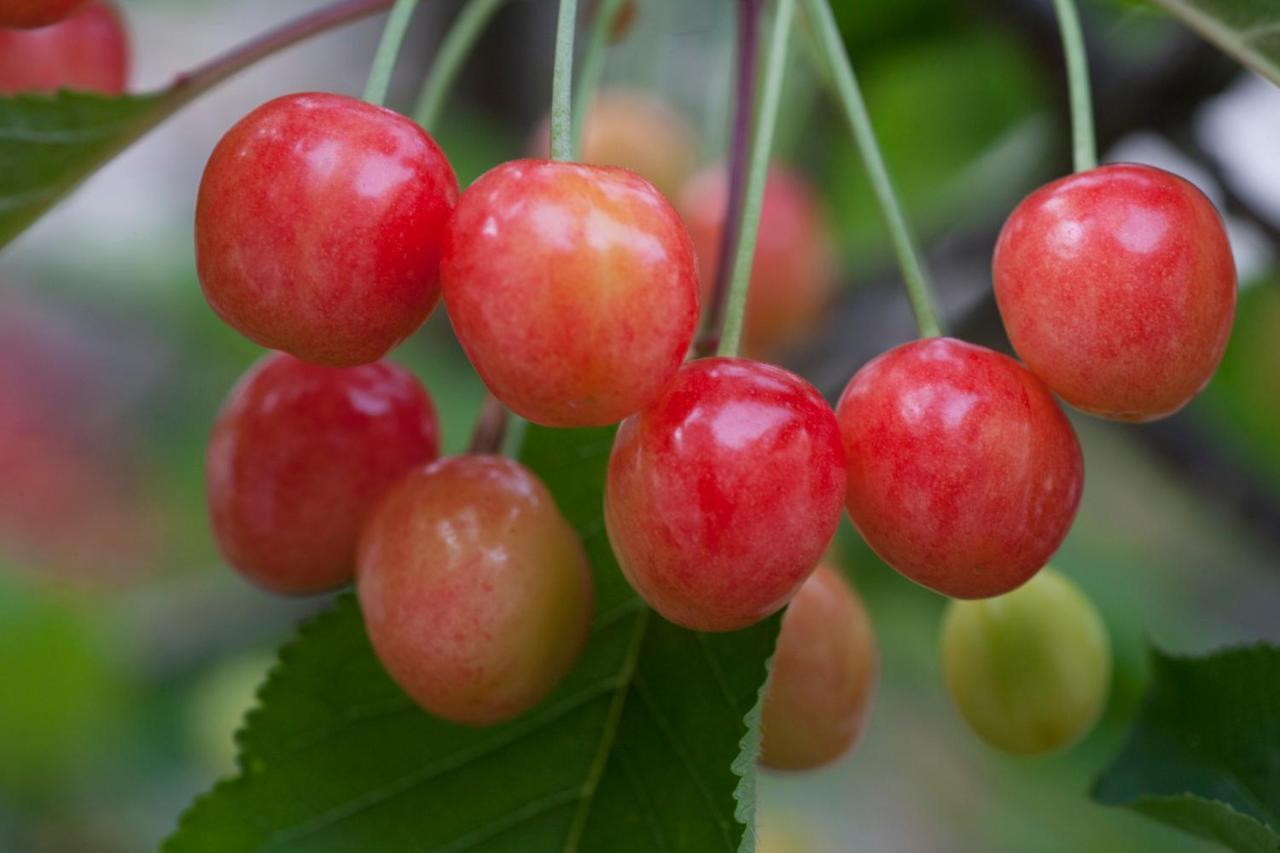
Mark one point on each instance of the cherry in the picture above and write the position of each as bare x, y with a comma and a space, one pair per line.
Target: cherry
635, 130
723, 494
572, 289
88, 50
476, 592
1118, 289
794, 269
318, 227
1029, 671
824, 674
964, 474
299, 457
28, 14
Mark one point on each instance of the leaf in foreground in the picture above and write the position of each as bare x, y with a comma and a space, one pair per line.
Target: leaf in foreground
1204, 753
633, 752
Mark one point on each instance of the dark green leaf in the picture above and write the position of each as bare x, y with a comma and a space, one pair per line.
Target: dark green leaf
633, 752
1204, 754
1249, 30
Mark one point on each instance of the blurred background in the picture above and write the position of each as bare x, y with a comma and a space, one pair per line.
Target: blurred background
128, 652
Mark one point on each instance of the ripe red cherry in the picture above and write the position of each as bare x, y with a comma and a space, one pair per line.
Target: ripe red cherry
723, 494
88, 51
794, 269
824, 674
476, 592
1118, 289
318, 227
964, 474
300, 455
572, 288
28, 14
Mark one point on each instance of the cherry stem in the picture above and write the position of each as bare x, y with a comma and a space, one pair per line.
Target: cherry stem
562, 83
201, 79
591, 67
915, 273
453, 52
384, 61
490, 428
761, 146
1084, 146
739, 149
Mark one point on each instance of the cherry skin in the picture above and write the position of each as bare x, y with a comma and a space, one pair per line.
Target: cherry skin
318, 227
1030, 670
824, 674
29, 14
1118, 289
724, 493
572, 289
476, 592
635, 130
299, 457
88, 51
964, 474
793, 274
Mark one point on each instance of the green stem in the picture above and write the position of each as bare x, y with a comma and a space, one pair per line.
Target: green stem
591, 67
910, 260
453, 52
375, 91
761, 146
562, 83
1083, 144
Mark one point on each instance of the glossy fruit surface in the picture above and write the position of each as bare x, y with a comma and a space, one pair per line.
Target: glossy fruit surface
300, 455
88, 51
572, 289
793, 274
476, 592
1118, 289
723, 494
823, 677
318, 227
28, 14
964, 474
633, 130
1029, 671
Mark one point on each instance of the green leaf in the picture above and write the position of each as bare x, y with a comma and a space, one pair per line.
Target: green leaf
644, 746
1204, 754
48, 145
1249, 30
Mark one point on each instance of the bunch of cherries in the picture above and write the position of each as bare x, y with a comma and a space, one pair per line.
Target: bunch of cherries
327, 229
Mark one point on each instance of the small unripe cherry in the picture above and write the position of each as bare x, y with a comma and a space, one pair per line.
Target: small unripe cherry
572, 289
28, 14
724, 493
88, 51
300, 455
1029, 670
318, 227
1118, 289
964, 474
475, 590
793, 274
823, 678
632, 129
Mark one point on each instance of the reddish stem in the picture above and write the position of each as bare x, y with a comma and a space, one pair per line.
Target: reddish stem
490, 428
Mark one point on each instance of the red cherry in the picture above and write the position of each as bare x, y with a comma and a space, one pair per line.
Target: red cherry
964, 474
299, 456
1118, 289
28, 14
572, 288
723, 494
88, 51
824, 673
476, 592
793, 274
318, 227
